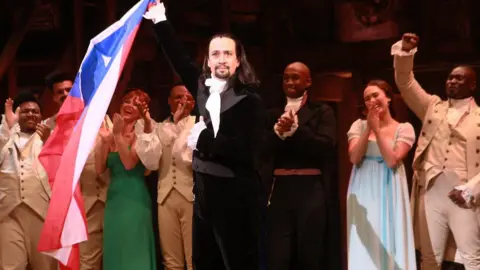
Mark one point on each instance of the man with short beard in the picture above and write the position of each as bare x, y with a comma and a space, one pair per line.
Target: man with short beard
59, 83
446, 182
225, 142
24, 188
301, 138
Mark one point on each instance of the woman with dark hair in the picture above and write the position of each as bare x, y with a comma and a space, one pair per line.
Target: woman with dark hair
128, 238
380, 234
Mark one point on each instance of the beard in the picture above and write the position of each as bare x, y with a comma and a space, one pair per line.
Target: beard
222, 75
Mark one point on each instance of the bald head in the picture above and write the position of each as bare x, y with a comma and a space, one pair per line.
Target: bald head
296, 79
470, 71
461, 82
299, 66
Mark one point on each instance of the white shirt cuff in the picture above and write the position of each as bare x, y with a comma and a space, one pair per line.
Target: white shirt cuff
397, 50
192, 139
466, 194
156, 13
4, 129
292, 130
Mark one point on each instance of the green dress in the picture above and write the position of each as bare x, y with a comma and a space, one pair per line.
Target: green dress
128, 239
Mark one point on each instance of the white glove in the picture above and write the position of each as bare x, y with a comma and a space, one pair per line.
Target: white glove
156, 13
195, 133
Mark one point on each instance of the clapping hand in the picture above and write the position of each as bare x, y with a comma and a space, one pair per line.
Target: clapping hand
118, 124
180, 112
105, 133
373, 119
11, 117
43, 131
144, 110
284, 123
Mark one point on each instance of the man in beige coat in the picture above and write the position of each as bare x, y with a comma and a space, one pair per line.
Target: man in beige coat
446, 189
165, 149
24, 187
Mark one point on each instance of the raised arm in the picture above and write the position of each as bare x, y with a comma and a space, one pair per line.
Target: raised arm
9, 119
149, 148
148, 145
414, 95
174, 50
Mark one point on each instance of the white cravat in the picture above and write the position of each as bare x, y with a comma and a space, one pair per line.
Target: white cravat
457, 108
293, 104
213, 104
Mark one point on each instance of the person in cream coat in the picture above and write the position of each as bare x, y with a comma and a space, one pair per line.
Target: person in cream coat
446, 183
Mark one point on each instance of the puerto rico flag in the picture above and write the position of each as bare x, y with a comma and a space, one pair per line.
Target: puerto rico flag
77, 124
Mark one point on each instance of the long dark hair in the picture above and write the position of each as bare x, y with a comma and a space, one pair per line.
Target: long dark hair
387, 89
244, 73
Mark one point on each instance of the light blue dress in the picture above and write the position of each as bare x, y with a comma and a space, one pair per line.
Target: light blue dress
379, 224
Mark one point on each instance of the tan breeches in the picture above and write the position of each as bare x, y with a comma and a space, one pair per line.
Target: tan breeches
438, 215
20, 233
91, 251
175, 216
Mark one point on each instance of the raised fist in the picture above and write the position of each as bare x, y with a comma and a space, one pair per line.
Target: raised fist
409, 41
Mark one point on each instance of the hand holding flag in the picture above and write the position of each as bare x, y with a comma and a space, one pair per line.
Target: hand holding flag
65, 152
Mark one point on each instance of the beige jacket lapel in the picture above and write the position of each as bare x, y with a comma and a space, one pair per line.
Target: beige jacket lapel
36, 148
472, 133
435, 115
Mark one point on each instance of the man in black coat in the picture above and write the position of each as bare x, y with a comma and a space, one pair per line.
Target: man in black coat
301, 139
226, 142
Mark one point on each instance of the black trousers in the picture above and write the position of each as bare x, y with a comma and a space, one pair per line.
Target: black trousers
296, 223
225, 223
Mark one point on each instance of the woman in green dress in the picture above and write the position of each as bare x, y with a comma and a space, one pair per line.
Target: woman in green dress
128, 239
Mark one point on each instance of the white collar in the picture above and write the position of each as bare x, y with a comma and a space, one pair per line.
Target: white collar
460, 103
295, 100
24, 135
215, 82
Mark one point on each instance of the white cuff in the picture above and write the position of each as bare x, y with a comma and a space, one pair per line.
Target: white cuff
466, 194
156, 13
146, 137
192, 139
292, 130
397, 50
4, 128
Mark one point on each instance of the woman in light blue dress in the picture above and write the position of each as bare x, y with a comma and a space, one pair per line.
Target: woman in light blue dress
379, 224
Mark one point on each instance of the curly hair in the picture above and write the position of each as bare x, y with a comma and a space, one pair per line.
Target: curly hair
136, 93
